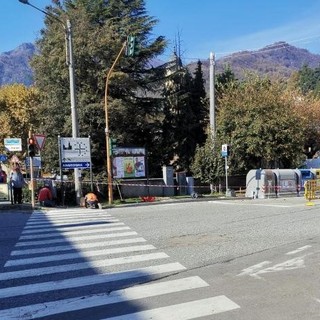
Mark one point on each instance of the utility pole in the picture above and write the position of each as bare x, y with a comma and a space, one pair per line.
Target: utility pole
70, 64
74, 115
32, 182
212, 102
212, 106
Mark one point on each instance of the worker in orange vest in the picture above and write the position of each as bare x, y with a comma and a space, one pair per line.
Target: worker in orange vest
91, 201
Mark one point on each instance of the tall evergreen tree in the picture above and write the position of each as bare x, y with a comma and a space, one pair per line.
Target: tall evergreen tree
184, 115
99, 30
199, 107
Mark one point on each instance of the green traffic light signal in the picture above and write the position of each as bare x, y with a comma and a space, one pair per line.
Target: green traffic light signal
113, 145
131, 46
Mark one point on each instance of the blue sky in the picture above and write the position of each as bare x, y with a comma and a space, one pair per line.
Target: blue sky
220, 26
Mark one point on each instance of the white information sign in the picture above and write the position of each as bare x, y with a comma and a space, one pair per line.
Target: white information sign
75, 153
13, 144
224, 150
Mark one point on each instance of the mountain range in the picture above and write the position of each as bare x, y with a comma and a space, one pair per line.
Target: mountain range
276, 60
14, 65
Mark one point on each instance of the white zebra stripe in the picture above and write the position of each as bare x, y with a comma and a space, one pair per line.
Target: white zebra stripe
99, 265
184, 311
89, 280
57, 229
39, 225
58, 217
63, 234
77, 255
74, 239
79, 246
103, 299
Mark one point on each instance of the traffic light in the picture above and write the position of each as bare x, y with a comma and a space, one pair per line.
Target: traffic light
113, 145
31, 147
131, 49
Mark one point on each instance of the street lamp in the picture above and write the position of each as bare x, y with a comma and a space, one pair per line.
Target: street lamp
108, 145
70, 64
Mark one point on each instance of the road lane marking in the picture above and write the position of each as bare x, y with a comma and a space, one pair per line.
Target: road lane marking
83, 302
63, 233
39, 225
236, 203
74, 246
97, 265
77, 238
62, 229
292, 264
59, 216
251, 271
78, 255
184, 311
90, 280
299, 250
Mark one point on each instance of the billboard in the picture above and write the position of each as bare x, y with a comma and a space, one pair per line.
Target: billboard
129, 163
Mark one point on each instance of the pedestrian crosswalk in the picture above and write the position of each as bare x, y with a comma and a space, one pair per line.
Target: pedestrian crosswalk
86, 264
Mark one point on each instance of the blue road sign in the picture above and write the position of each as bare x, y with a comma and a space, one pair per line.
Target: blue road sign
3, 157
75, 165
36, 162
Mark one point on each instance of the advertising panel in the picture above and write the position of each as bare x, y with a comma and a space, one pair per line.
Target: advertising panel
129, 163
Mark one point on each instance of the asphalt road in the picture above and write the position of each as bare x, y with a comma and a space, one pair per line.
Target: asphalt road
223, 259
262, 254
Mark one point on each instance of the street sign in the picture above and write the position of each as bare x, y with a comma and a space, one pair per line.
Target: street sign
13, 144
3, 158
73, 165
75, 153
39, 139
224, 150
36, 162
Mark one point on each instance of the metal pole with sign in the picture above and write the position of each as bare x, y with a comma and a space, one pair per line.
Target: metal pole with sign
31, 176
225, 154
226, 168
60, 172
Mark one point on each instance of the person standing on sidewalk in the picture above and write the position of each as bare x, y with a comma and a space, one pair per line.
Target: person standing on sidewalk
17, 182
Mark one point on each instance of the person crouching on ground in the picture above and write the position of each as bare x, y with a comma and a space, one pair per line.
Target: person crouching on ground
45, 196
91, 200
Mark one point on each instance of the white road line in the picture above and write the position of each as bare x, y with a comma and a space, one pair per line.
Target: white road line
295, 263
63, 234
89, 280
69, 211
298, 250
233, 203
57, 229
251, 271
292, 264
74, 239
38, 225
78, 255
69, 216
57, 215
103, 299
79, 246
184, 311
97, 265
